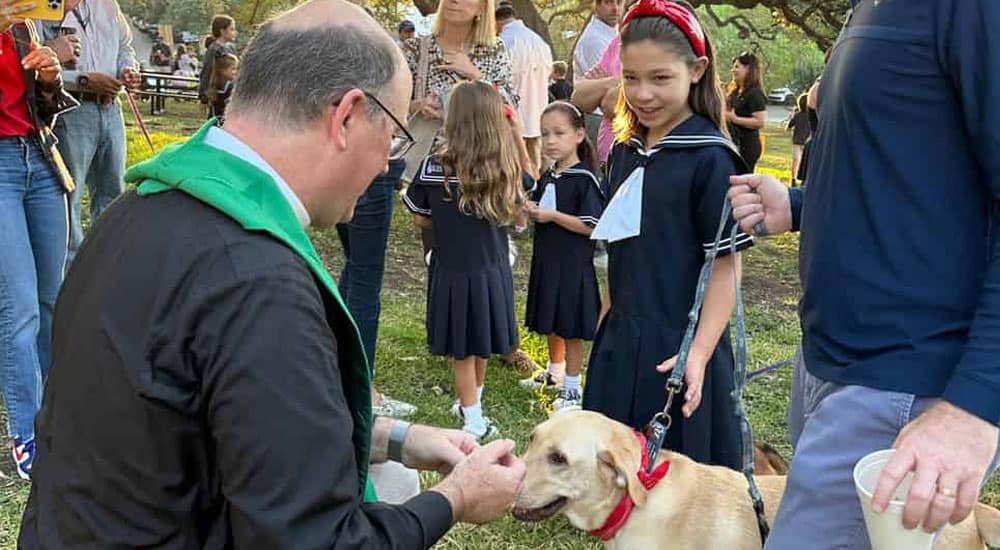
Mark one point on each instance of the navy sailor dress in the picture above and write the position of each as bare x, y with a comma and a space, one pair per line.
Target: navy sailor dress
470, 295
563, 297
652, 279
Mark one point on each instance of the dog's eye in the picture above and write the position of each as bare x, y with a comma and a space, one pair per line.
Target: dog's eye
557, 459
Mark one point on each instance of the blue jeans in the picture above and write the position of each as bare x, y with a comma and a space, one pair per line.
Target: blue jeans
33, 229
364, 239
92, 142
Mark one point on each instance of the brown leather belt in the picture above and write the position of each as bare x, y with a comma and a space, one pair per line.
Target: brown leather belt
91, 97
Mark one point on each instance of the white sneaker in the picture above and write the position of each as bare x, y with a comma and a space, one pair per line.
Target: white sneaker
487, 431
568, 400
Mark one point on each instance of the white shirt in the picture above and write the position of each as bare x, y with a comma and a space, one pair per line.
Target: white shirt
531, 64
591, 46
224, 141
105, 40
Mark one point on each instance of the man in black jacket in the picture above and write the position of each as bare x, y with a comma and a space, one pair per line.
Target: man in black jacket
208, 386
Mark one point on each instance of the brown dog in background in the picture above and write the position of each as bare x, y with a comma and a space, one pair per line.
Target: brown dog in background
582, 464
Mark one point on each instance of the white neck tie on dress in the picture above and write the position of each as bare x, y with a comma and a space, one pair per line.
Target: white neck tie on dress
622, 219
548, 200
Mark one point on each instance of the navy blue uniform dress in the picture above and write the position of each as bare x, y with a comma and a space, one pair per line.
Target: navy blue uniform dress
470, 295
652, 279
563, 297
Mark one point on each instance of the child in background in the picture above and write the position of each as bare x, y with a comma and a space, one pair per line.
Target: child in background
560, 88
801, 129
468, 194
669, 175
563, 297
220, 84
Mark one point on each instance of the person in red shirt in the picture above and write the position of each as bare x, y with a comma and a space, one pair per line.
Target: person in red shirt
33, 220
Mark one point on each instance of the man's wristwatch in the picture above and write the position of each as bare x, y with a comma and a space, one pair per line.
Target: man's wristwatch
82, 82
397, 436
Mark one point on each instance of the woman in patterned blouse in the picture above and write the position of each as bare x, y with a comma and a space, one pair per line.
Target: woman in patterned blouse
463, 46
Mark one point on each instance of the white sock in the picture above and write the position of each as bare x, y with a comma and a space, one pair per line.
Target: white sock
473, 415
571, 383
557, 369
479, 394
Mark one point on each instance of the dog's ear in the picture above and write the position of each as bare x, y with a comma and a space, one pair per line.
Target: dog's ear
624, 457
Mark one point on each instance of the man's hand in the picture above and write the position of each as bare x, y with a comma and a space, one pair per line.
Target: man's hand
43, 60
67, 48
427, 448
949, 451
10, 14
130, 78
758, 198
483, 486
102, 84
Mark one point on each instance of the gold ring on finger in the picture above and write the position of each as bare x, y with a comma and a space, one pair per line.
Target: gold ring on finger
946, 492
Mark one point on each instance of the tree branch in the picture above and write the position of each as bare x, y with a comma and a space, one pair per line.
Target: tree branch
742, 23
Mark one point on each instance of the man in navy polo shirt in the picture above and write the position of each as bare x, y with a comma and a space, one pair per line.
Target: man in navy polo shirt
900, 268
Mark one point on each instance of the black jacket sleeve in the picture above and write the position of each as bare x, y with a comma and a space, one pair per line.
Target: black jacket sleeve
277, 415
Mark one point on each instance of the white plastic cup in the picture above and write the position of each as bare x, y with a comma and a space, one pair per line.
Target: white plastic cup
886, 530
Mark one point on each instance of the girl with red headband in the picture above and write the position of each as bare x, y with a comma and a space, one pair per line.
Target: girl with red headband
668, 173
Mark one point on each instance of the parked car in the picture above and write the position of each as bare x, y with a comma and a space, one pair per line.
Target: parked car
783, 96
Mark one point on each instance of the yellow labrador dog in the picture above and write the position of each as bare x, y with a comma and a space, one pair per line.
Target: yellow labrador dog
582, 464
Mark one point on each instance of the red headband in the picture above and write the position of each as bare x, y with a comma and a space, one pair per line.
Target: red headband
677, 14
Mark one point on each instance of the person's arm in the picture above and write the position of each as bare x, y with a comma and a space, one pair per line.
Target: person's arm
709, 197
423, 222
950, 446
272, 386
588, 93
762, 199
417, 201
756, 104
720, 298
975, 386
126, 54
566, 221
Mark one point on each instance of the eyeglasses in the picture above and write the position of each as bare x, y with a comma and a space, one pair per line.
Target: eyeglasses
402, 140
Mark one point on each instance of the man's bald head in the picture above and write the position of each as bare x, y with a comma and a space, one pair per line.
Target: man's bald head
303, 61
325, 13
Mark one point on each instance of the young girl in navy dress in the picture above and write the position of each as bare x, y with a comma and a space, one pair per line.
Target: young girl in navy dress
468, 194
563, 298
668, 173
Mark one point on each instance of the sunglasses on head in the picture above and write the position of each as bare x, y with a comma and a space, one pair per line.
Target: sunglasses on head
744, 57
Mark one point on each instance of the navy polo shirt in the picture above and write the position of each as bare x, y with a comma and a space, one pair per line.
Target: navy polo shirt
901, 279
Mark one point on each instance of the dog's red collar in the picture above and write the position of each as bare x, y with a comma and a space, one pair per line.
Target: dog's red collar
621, 512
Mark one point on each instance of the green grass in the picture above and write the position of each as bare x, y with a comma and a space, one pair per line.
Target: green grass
407, 371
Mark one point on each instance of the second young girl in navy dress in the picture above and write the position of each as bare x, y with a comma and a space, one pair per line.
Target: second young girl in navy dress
669, 174
563, 298
468, 193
